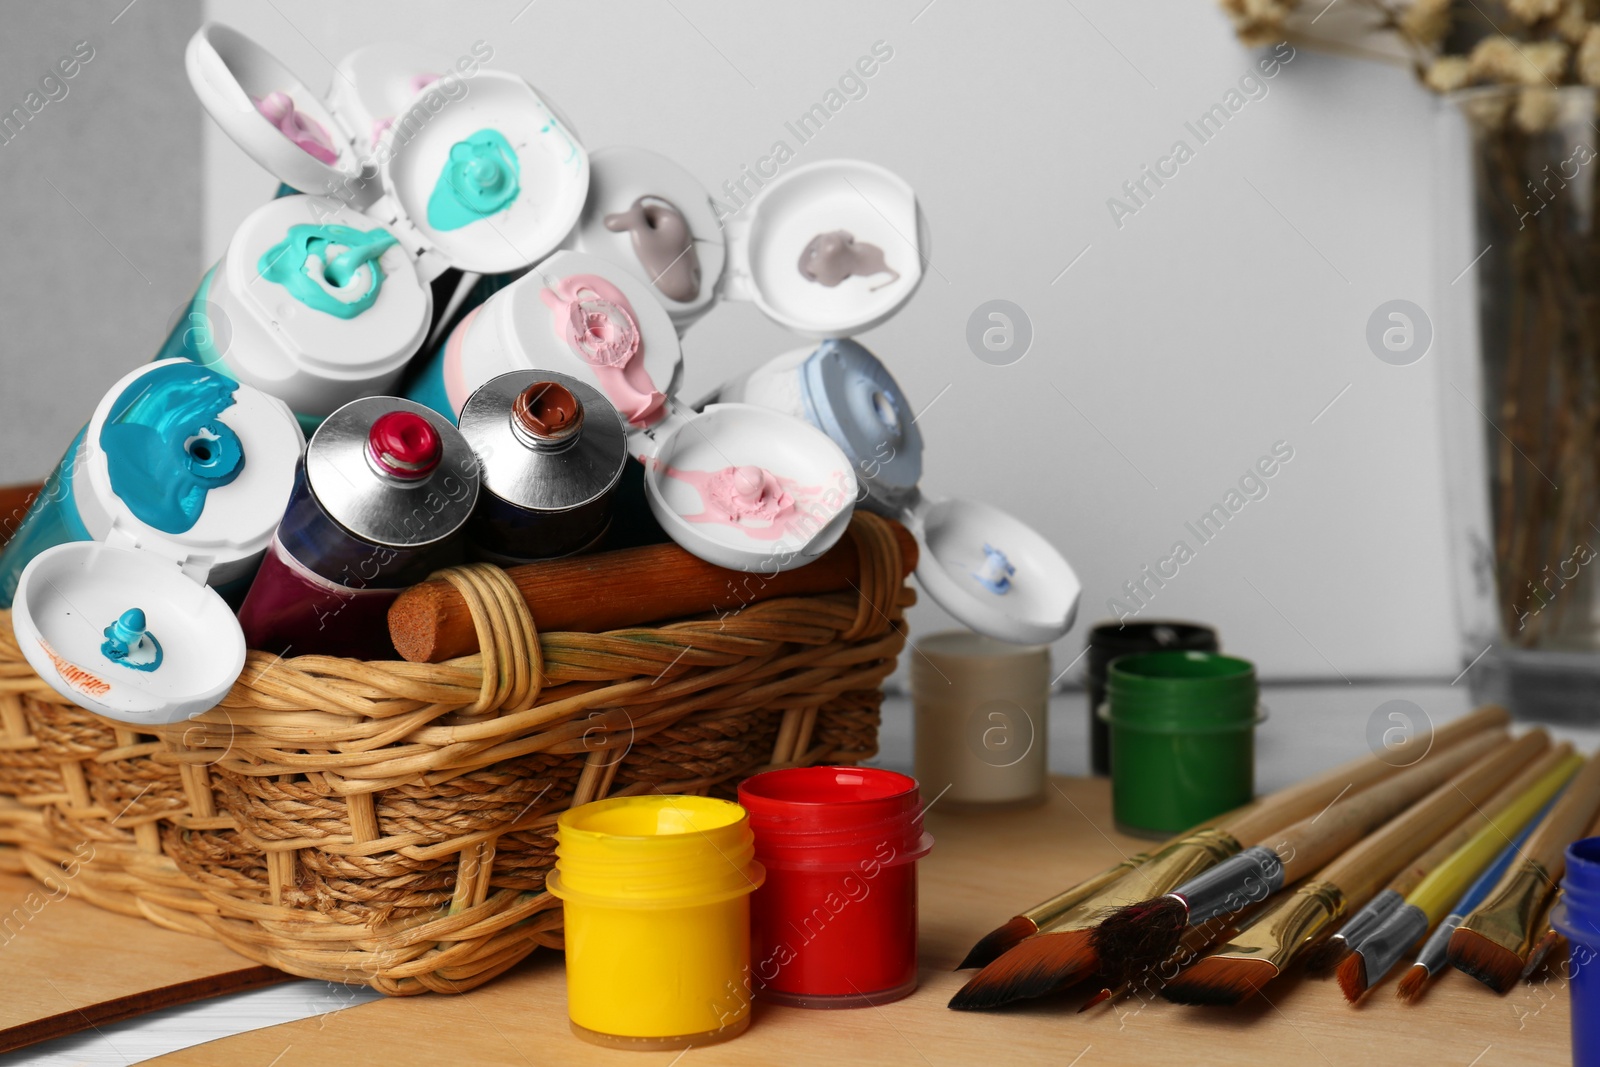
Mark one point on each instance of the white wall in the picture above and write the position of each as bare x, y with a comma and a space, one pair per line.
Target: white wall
1221, 318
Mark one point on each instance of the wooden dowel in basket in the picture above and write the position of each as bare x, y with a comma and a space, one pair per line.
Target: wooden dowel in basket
429, 623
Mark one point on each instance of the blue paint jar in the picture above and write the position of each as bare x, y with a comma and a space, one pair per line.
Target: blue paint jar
1577, 918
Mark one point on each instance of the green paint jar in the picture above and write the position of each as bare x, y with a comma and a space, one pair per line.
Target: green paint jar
1182, 738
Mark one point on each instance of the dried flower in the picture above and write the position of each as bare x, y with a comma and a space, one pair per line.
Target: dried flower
1573, 22
1500, 59
1533, 10
1587, 61
1537, 109
1258, 22
1427, 21
1448, 74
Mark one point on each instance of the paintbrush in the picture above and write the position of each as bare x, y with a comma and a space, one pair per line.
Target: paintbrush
1134, 935
1264, 950
1432, 957
998, 941
1375, 957
1547, 942
1376, 911
1492, 944
1060, 954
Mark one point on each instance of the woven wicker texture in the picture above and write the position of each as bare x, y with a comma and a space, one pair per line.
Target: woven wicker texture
391, 823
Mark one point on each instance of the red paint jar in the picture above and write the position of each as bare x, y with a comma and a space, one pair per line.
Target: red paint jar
835, 924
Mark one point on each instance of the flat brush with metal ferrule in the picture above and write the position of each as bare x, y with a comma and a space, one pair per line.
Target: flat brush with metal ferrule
1333, 951
1140, 934
1426, 904
1060, 954
1492, 944
1433, 956
1288, 926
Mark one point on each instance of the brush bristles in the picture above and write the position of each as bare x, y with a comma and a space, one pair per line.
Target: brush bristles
1413, 983
1220, 980
1138, 936
1352, 976
998, 942
1328, 955
1494, 965
1042, 964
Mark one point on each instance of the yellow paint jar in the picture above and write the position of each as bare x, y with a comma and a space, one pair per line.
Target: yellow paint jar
657, 898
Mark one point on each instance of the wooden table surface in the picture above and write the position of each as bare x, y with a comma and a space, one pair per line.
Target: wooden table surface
69, 966
982, 870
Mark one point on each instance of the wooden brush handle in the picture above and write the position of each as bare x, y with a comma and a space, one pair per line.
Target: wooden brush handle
1310, 843
429, 623
1567, 821
1307, 798
1365, 867
1414, 872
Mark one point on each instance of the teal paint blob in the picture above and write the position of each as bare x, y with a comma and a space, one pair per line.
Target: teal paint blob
479, 180
166, 447
288, 264
129, 644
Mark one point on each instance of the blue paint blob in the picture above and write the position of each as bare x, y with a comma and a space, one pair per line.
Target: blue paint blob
166, 447
339, 253
479, 180
995, 575
130, 645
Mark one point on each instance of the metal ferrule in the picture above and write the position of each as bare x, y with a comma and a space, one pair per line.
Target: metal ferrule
1382, 948
1233, 885
1168, 868
1507, 918
1284, 929
1369, 917
1435, 951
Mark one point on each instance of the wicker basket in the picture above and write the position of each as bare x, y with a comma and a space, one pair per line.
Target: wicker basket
391, 823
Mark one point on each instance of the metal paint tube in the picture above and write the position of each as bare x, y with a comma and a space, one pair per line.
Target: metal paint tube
380, 497
552, 453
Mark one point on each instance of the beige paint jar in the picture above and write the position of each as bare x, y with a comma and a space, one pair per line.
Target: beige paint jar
980, 710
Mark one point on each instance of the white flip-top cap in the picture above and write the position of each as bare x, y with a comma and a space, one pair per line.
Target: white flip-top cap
748, 488
238, 519
643, 242
628, 349
179, 661
830, 249
374, 83
993, 571
541, 172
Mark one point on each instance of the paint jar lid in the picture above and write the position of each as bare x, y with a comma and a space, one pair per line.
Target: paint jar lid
619, 177
851, 396
70, 595
378, 500
834, 212
237, 519
543, 187
654, 851
835, 818
1181, 691
585, 316
316, 359
993, 572
541, 465
748, 488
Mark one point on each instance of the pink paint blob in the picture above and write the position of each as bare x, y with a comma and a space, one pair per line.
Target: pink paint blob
596, 321
758, 502
420, 82
381, 127
306, 132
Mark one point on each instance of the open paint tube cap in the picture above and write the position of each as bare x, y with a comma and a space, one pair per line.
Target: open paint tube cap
748, 488
583, 315
124, 633
829, 250
489, 182
373, 85
241, 460
993, 571
653, 219
320, 339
